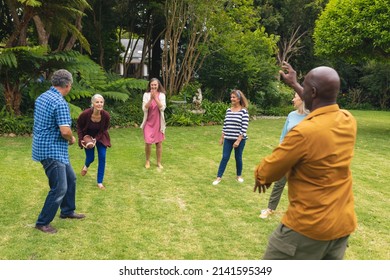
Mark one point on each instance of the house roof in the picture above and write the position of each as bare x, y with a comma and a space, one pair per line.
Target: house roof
137, 54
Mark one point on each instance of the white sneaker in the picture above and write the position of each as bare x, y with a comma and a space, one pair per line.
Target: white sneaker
216, 182
265, 213
240, 180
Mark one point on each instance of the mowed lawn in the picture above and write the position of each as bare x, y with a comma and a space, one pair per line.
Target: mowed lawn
176, 213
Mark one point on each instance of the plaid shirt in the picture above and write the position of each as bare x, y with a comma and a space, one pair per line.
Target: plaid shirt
51, 112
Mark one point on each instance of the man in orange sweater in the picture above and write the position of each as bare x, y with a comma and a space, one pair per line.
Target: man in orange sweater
316, 155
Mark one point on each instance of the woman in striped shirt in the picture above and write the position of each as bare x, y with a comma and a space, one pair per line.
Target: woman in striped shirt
234, 134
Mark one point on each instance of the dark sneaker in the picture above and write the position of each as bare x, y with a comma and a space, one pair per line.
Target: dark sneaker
72, 216
46, 229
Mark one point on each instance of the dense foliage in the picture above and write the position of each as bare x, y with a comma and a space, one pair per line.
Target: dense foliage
293, 21
356, 29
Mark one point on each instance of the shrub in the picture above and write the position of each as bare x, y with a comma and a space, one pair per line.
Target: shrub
188, 91
214, 111
184, 118
252, 110
124, 114
9, 123
180, 114
354, 99
275, 95
277, 111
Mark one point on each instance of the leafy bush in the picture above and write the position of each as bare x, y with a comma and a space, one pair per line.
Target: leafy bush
214, 111
180, 115
184, 118
128, 113
275, 95
188, 91
375, 83
277, 111
252, 110
354, 99
9, 123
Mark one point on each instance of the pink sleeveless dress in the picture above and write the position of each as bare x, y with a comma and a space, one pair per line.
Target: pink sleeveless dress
152, 133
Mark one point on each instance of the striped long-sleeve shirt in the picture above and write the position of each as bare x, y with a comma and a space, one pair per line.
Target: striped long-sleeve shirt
235, 124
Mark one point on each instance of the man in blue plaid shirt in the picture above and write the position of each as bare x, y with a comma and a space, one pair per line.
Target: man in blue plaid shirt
52, 135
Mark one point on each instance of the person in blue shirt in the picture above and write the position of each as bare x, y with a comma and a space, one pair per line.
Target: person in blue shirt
293, 118
52, 134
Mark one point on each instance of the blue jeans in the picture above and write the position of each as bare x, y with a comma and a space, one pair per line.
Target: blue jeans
62, 194
90, 157
226, 151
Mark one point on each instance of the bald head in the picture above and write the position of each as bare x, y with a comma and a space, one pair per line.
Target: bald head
320, 88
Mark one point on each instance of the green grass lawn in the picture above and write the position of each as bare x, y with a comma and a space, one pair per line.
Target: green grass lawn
176, 213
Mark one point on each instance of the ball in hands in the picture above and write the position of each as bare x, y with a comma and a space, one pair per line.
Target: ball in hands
88, 142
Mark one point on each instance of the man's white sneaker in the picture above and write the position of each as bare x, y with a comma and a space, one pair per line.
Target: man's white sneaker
240, 180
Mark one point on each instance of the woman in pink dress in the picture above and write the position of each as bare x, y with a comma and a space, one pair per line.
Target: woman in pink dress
153, 124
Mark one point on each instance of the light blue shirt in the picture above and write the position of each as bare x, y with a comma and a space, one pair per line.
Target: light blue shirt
292, 120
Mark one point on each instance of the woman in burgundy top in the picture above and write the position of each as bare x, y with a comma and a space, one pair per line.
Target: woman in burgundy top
95, 122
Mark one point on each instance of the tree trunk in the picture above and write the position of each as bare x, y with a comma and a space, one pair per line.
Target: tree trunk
129, 53
182, 17
145, 49
13, 98
43, 37
73, 38
18, 36
155, 45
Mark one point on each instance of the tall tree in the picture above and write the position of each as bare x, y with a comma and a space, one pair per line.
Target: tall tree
185, 40
241, 53
53, 25
158, 27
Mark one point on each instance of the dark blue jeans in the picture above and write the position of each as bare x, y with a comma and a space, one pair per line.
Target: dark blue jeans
226, 151
90, 157
62, 194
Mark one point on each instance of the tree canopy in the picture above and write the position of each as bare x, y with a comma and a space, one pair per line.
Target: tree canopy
354, 29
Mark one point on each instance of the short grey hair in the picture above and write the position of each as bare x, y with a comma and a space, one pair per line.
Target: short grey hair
95, 96
61, 78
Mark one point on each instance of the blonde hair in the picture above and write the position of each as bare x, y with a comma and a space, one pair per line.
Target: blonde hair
240, 95
304, 109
